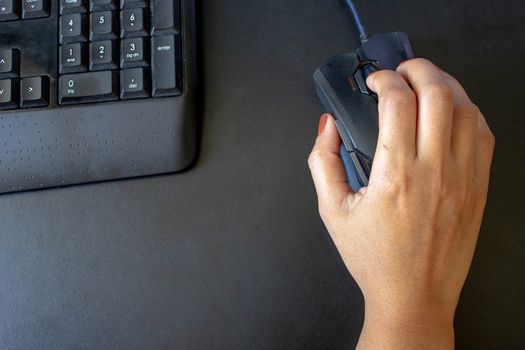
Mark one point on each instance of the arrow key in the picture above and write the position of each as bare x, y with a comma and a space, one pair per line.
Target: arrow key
35, 8
8, 94
34, 92
9, 63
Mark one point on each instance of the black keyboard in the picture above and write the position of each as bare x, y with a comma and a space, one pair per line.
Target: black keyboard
94, 90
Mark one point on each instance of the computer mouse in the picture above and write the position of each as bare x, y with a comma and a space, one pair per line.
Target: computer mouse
341, 86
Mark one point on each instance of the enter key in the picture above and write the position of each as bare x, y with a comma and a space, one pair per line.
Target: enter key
166, 70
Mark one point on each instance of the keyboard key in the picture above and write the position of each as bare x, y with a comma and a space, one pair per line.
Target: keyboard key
35, 8
127, 4
72, 6
133, 23
8, 94
88, 87
103, 25
164, 70
102, 5
133, 53
34, 92
9, 10
9, 63
72, 28
165, 17
102, 55
134, 83
72, 58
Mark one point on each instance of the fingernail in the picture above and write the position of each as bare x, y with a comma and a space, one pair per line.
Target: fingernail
322, 124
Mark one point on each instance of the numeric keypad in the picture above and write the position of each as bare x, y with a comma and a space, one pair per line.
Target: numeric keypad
136, 43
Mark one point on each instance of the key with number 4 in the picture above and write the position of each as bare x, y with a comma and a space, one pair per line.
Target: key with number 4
72, 28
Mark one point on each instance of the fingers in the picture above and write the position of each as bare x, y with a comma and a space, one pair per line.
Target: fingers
435, 108
484, 153
448, 121
472, 143
464, 126
397, 117
327, 169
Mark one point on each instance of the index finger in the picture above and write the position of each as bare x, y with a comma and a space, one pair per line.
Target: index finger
397, 110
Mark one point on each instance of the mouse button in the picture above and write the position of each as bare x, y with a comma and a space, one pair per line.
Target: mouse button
358, 115
345, 138
341, 65
387, 49
350, 169
337, 75
361, 173
369, 68
365, 163
360, 81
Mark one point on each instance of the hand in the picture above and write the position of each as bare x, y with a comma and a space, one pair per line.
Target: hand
409, 237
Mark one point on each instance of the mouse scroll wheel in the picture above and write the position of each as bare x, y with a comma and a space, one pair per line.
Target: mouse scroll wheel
368, 69
360, 76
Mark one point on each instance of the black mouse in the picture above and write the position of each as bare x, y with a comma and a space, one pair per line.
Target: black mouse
341, 86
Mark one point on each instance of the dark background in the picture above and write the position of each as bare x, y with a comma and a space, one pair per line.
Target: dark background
232, 254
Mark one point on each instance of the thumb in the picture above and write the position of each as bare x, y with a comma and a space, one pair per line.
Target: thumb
327, 168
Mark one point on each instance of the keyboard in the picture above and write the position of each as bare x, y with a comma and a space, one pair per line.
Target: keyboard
95, 90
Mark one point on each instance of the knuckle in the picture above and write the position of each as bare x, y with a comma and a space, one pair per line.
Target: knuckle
468, 111
449, 77
488, 138
439, 91
417, 63
397, 96
314, 159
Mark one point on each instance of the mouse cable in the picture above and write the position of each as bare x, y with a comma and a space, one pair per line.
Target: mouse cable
357, 19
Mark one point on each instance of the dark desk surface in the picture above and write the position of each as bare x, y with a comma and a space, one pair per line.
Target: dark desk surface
232, 254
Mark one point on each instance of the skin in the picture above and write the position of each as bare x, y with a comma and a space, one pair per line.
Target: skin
409, 237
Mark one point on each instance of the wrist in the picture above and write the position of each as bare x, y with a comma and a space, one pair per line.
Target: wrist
388, 328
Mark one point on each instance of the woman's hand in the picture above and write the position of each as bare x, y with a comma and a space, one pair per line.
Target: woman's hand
409, 237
